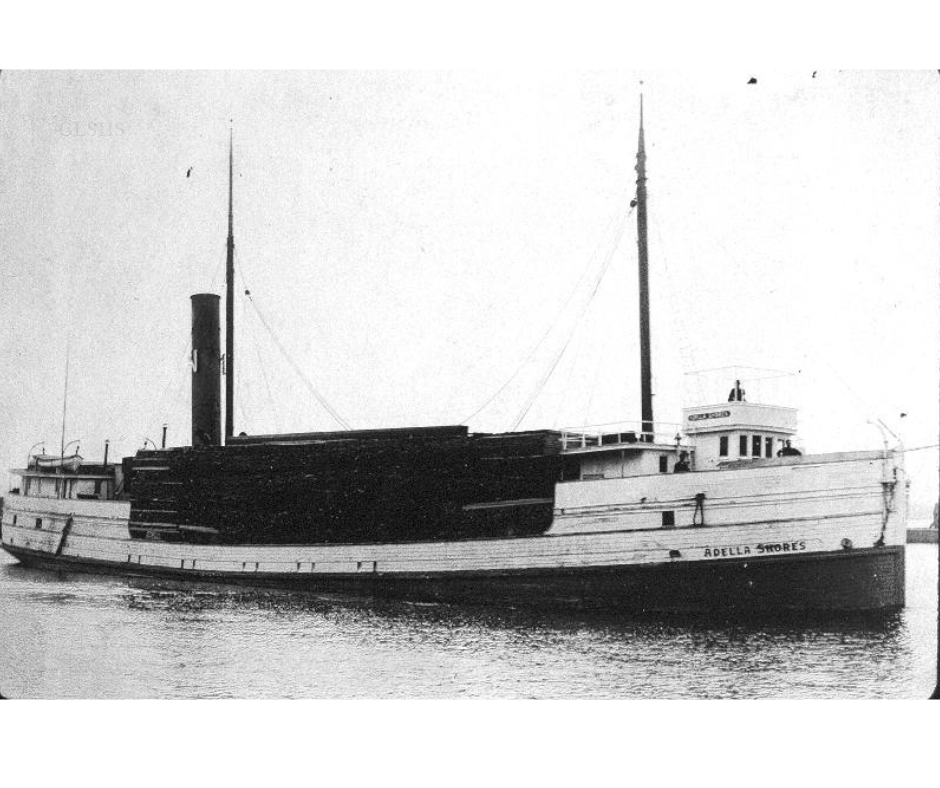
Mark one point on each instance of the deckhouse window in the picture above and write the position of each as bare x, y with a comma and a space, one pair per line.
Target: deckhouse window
723, 446
742, 446
768, 447
663, 463
755, 446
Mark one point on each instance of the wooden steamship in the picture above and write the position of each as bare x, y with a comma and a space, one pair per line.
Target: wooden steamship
589, 519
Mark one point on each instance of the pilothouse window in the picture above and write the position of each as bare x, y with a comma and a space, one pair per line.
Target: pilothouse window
755, 446
723, 446
768, 447
742, 446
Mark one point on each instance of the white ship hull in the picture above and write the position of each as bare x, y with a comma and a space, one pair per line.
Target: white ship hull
824, 532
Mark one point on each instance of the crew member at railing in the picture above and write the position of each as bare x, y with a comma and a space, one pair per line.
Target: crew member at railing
789, 451
737, 393
682, 466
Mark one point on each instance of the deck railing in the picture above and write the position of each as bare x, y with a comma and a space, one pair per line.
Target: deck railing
619, 434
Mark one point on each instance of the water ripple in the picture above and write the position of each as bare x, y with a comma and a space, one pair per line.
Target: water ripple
72, 635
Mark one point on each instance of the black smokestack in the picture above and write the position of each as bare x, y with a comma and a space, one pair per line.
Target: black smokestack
207, 404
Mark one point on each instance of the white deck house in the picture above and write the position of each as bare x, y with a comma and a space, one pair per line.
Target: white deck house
619, 452
734, 431
711, 435
94, 482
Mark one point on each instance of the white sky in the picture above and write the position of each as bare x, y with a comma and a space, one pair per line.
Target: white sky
410, 236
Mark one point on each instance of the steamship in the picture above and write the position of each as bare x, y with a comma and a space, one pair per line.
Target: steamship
723, 516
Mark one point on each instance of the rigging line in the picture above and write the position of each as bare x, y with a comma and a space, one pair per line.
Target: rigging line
554, 321
597, 284
177, 362
244, 391
571, 373
313, 390
813, 352
577, 362
65, 394
218, 269
806, 343
778, 373
676, 293
869, 410
241, 407
69, 312
176, 398
866, 406
184, 373
180, 359
575, 326
300, 373
131, 401
590, 400
172, 407
267, 384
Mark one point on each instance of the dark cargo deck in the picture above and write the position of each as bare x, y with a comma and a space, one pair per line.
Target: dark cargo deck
399, 485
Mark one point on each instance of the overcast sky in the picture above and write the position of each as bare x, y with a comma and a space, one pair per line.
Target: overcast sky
417, 239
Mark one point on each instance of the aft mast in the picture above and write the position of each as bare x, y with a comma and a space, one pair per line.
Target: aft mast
646, 372
229, 308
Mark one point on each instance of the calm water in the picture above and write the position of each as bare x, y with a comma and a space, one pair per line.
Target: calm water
81, 636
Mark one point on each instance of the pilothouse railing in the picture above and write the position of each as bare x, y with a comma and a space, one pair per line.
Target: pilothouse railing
619, 434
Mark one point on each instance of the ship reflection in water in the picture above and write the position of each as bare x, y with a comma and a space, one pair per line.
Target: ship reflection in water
93, 637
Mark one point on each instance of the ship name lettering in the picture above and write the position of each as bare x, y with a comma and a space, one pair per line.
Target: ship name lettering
715, 414
727, 552
781, 547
